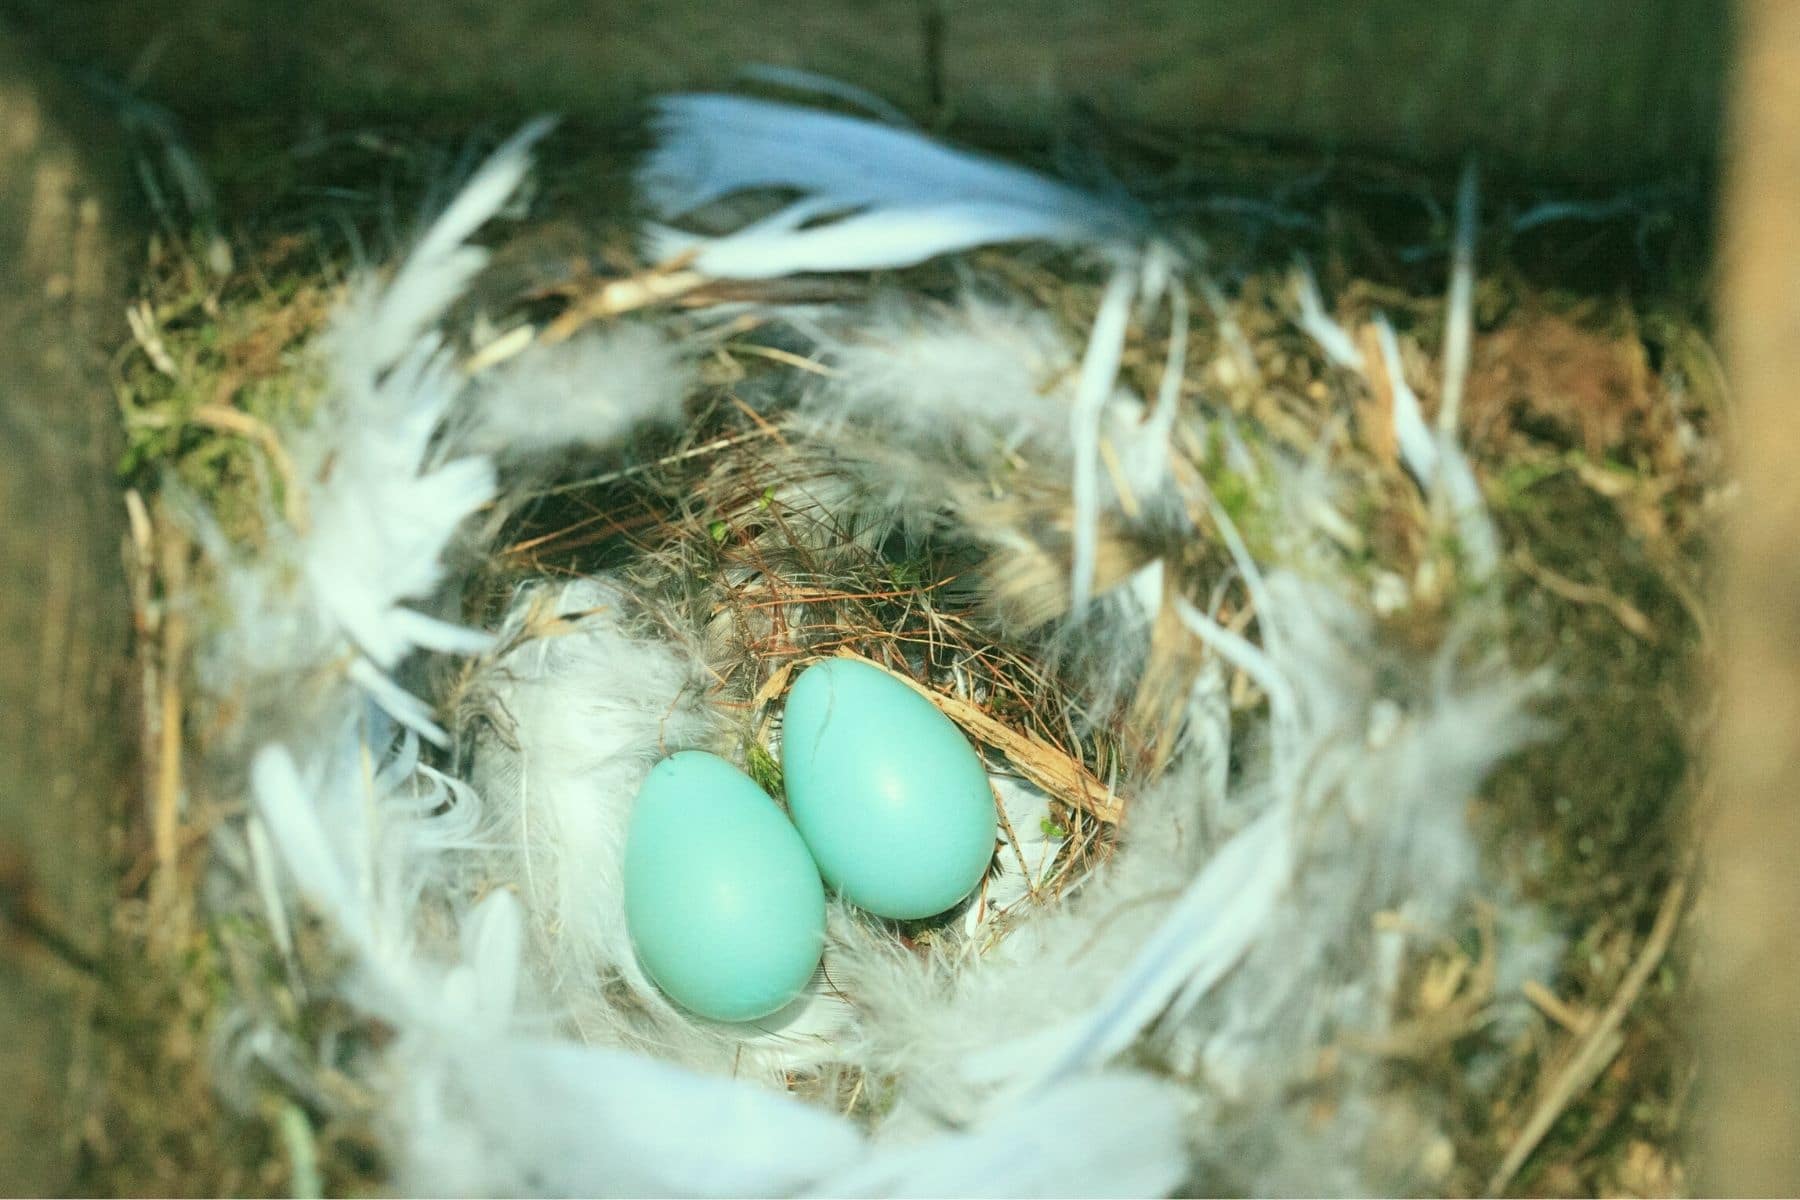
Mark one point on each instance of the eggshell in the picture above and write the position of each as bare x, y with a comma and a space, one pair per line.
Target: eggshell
722, 900
891, 798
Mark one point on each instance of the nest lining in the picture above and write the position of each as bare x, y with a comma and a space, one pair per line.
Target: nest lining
686, 570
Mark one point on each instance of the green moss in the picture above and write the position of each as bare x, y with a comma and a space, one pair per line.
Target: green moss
763, 767
233, 371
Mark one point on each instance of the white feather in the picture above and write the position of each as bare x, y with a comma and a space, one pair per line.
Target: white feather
1459, 317
871, 240
938, 403
288, 810
379, 522
590, 391
493, 943
398, 703
441, 265
1147, 455
1099, 371
976, 382
262, 872
1112, 1134
1476, 536
1418, 446
380, 511
1201, 938
530, 1116
900, 197
1436, 459
1461, 490
1241, 653
1332, 338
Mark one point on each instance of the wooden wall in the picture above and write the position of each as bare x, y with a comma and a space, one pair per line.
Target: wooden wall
65, 731
1751, 934
1599, 90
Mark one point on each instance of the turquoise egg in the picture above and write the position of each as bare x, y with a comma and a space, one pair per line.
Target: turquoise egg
722, 900
892, 800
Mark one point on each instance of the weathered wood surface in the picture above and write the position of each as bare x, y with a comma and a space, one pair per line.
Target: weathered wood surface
1598, 90
63, 617
1752, 1102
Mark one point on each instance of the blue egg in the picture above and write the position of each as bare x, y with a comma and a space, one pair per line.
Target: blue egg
891, 798
722, 900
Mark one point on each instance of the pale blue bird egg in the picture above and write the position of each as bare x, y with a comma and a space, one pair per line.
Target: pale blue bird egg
722, 900
891, 798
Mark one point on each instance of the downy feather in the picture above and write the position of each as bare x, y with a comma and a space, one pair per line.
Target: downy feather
591, 391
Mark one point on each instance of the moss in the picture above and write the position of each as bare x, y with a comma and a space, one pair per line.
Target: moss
764, 769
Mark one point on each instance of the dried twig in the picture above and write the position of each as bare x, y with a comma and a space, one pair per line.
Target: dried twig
1599, 1045
617, 296
242, 424
713, 446
166, 780
1576, 592
141, 319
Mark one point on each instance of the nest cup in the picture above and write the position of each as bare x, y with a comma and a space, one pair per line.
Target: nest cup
1196, 554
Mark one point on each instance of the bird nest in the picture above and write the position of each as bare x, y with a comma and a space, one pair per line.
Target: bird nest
1335, 691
